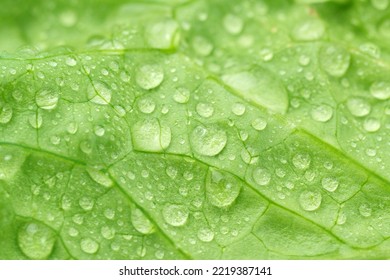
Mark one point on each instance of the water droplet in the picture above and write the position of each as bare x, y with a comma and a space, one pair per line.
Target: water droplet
365, 210
371, 124
259, 124
181, 95
86, 147
141, 251
301, 161
150, 135
380, 90
261, 176
86, 203
380, 4
371, 152
304, 60
72, 128
149, 76
146, 105
46, 99
171, 172
159, 254
341, 219
70, 61
36, 240
109, 213
175, 215
238, 109
233, 24
35, 120
202, 46
99, 93
107, 232
310, 200
205, 235
358, 106
140, 222
221, 190
99, 177
330, 184
99, 130
73, 232
308, 30
55, 140
208, 141
164, 34
5, 113
322, 113
370, 49
89, 246
334, 60
205, 110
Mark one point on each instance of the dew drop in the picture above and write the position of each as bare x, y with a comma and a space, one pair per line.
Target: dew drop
150, 135
146, 105
358, 107
205, 110
140, 222
36, 240
233, 24
89, 246
35, 120
205, 234
86, 203
365, 210
46, 99
70, 61
5, 113
107, 232
301, 161
171, 172
380, 90
99, 177
261, 176
322, 113
181, 95
308, 30
371, 124
164, 34
202, 46
330, 184
73, 232
159, 254
109, 213
341, 219
99, 130
72, 128
175, 215
259, 124
334, 60
208, 141
99, 93
238, 109
149, 76
310, 200
86, 147
221, 190
141, 251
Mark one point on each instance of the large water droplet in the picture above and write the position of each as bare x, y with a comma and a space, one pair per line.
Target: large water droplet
310, 200
205, 110
261, 176
205, 234
334, 60
301, 161
46, 99
371, 124
149, 76
99, 177
89, 246
221, 190
36, 240
322, 113
99, 93
259, 124
308, 30
380, 90
208, 141
233, 24
140, 222
358, 106
5, 113
164, 34
330, 184
238, 109
150, 135
175, 215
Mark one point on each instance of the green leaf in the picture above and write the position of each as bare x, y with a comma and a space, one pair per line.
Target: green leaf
195, 130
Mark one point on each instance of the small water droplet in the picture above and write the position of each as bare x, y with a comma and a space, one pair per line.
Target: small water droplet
5, 113
304, 60
358, 107
330, 184
308, 30
140, 222
259, 124
163, 34
99, 93
371, 124
99, 130
150, 135
146, 105
365, 210
181, 95
171, 172
301, 161
208, 141
371, 152
205, 234
380, 90
89, 246
202, 46
46, 99
141, 251
35, 120
99, 177
233, 24
86, 203
70, 61
36, 240
221, 190
341, 219
109, 213
149, 76
334, 60
107, 232
310, 200
370, 49
205, 110
159, 254
72, 128
261, 176
175, 215
73, 232
322, 113
238, 109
